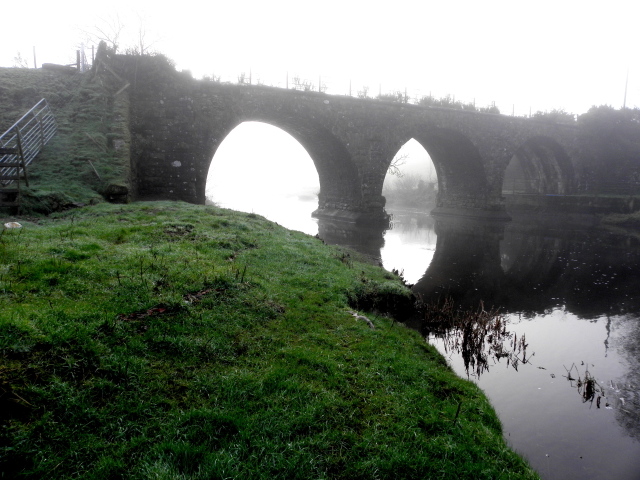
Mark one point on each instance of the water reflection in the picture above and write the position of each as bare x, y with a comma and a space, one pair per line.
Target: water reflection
480, 337
533, 271
543, 409
411, 237
626, 389
572, 295
366, 240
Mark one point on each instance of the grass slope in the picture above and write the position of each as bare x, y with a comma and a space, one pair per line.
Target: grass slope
92, 136
172, 341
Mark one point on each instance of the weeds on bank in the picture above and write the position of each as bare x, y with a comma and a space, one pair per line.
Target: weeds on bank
479, 335
164, 340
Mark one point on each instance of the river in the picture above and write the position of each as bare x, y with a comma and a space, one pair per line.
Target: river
571, 403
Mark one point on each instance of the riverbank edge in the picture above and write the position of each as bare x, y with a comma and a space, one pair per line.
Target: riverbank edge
119, 352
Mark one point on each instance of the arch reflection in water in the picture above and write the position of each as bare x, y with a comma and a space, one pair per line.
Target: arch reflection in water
409, 243
572, 294
406, 244
532, 270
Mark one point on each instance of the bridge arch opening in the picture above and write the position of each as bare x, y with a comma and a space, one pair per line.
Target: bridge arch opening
260, 168
410, 188
462, 180
411, 180
539, 167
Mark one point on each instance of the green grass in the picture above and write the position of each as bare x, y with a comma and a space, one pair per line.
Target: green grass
165, 340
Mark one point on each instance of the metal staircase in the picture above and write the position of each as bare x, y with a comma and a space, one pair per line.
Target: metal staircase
19, 145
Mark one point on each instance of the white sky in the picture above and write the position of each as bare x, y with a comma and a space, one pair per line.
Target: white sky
540, 55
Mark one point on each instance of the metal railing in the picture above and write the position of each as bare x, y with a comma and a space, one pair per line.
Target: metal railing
20, 144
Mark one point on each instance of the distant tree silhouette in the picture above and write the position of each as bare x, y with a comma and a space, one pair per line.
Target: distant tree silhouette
450, 102
557, 115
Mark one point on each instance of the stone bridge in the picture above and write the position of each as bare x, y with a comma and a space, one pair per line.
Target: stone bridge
177, 124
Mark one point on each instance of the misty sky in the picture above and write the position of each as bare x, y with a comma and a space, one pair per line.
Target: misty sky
534, 55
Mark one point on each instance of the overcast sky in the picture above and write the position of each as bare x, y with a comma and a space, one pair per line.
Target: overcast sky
534, 55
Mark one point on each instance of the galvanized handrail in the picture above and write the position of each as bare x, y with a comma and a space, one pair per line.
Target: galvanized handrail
25, 138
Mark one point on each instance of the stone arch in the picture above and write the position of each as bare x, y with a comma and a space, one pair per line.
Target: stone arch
539, 166
338, 176
462, 180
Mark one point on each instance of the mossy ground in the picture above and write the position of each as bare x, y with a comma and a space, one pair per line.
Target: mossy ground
165, 340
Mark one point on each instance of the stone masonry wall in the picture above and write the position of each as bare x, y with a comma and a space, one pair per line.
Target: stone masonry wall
178, 124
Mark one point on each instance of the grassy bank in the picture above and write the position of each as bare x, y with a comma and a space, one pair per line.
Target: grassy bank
164, 340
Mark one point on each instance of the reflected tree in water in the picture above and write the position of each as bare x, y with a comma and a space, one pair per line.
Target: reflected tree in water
480, 336
625, 392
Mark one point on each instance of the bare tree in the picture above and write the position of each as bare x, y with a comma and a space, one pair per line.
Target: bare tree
364, 92
396, 163
19, 61
119, 36
109, 31
143, 44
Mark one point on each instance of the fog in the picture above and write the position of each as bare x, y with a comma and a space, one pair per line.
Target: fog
258, 165
413, 161
259, 168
